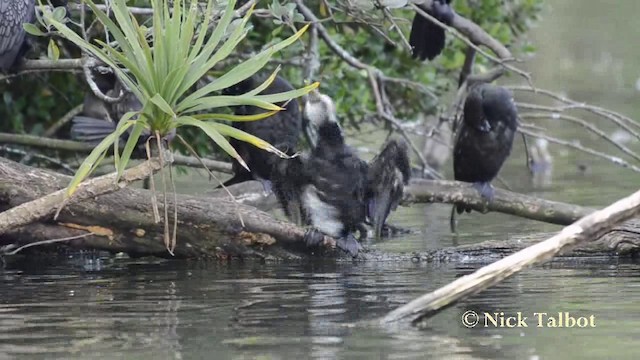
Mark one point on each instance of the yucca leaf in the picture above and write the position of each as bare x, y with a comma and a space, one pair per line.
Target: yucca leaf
132, 142
198, 58
197, 46
124, 18
284, 96
88, 164
265, 84
236, 118
162, 104
114, 29
211, 102
246, 137
247, 68
211, 131
116, 141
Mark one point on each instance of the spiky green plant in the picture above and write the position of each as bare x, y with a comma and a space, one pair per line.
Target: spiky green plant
160, 75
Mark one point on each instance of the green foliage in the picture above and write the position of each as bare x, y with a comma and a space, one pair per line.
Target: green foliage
357, 30
161, 75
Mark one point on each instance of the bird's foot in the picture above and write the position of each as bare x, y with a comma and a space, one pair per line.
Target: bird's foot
486, 192
314, 238
349, 244
485, 189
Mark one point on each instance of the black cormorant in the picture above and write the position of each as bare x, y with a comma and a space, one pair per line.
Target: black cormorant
333, 179
13, 42
336, 191
485, 138
426, 38
281, 130
388, 174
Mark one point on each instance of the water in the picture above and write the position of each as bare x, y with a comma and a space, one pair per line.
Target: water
86, 306
127, 309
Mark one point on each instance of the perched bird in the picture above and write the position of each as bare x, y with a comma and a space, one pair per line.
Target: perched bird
426, 38
282, 130
13, 42
485, 138
338, 192
333, 179
388, 173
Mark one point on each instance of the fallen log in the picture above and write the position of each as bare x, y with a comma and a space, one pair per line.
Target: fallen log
123, 221
209, 226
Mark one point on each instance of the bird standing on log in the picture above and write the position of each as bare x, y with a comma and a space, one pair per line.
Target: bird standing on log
13, 37
426, 38
485, 139
282, 130
336, 190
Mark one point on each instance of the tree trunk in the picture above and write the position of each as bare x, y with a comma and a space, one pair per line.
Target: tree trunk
210, 226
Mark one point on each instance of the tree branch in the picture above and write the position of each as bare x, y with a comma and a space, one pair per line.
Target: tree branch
587, 229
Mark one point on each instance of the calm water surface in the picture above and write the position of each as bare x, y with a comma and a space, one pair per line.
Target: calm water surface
88, 306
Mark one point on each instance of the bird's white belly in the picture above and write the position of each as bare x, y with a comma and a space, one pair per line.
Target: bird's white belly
323, 216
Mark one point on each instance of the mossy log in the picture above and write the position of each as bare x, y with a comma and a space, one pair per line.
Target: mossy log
210, 226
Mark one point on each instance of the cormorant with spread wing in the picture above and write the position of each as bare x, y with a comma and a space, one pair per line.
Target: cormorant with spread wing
282, 130
13, 42
426, 38
485, 138
337, 191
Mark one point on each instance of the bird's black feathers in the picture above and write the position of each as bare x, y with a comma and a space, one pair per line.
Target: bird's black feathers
282, 130
13, 44
485, 138
335, 190
388, 173
426, 38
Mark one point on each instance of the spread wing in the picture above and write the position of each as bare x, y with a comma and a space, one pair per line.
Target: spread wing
388, 173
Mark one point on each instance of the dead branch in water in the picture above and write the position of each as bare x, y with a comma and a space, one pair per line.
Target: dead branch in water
507, 202
587, 229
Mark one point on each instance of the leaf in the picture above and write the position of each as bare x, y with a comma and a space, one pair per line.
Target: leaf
87, 165
247, 68
53, 52
248, 138
59, 13
211, 102
162, 104
32, 29
132, 142
265, 84
211, 131
238, 118
287, 95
